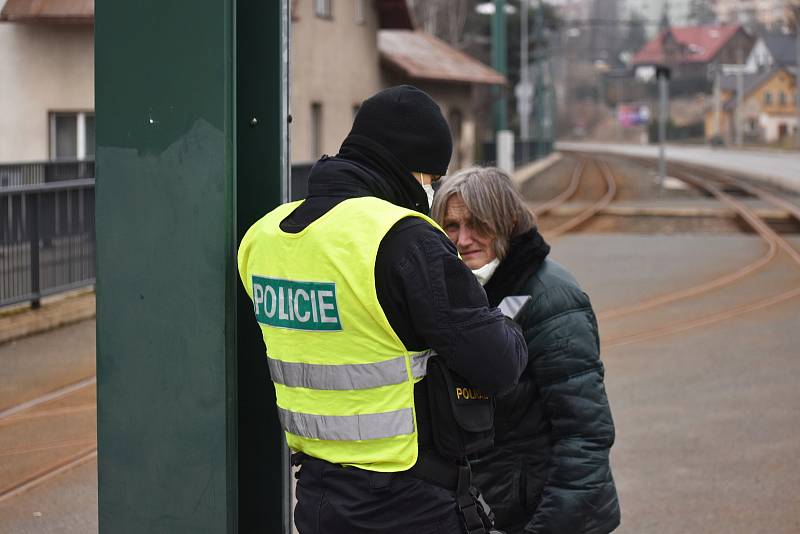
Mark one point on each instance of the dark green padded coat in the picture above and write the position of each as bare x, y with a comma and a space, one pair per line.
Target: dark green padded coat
549, 471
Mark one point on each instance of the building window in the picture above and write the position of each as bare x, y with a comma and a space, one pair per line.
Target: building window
72, 135
323, 8
781, 98
767, 98
316, 130
360, 15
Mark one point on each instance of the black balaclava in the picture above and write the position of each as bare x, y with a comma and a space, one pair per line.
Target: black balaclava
409, 124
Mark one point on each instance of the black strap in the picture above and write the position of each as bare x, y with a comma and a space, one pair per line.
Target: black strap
466, 502
453, 477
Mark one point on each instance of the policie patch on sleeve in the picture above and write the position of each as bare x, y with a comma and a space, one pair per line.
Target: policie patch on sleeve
296, 305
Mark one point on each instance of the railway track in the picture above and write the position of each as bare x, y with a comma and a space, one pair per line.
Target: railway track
694, 291
711, 183
586, 213
701, 179
19, 413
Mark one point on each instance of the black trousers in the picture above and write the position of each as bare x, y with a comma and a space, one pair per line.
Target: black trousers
332, 499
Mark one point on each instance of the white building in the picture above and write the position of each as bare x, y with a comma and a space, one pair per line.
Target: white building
47, 73
772, 50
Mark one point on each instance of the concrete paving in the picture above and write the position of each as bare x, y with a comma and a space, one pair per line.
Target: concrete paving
708, 426
64, 505
619, 270
48, 433
777, 167
19, 321
36, 365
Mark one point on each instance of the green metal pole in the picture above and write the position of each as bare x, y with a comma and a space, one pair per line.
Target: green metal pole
499, 63
539, 88
797, 74
262, 184
188, 439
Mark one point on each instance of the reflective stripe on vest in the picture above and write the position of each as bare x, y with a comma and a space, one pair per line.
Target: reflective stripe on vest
348, 427
348, 376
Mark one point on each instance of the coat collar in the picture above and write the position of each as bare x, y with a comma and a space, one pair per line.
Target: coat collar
526, 253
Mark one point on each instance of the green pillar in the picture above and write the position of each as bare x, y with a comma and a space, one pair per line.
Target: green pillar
262, 178
187, 435
499, 63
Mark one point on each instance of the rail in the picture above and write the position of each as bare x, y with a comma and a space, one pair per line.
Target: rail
47, 239
42, 172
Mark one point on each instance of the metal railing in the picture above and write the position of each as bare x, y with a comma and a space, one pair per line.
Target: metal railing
42, 172
47, 239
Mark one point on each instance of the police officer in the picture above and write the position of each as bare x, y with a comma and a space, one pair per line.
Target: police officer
354, 288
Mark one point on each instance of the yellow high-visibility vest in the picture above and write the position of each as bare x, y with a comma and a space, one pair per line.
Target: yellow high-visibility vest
344, 382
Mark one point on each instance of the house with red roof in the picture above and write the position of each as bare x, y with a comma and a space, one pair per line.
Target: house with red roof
689, 50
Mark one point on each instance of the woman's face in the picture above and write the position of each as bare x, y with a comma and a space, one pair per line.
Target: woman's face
475, 246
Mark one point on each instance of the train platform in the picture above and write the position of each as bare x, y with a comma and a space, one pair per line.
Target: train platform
702, 387
680, 403
706, 421
777, 167
44, 425
58, 310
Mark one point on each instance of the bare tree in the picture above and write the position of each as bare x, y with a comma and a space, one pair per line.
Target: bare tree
445, 19
701, 12
793, 14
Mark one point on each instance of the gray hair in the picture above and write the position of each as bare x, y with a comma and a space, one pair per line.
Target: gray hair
497, 208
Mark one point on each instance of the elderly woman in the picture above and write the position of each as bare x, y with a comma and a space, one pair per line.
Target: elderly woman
549, 469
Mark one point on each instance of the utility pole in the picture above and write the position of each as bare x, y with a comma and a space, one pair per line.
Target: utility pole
524, 90
549, 103
499, 63
797, 74
540, 95
620, 88
504, 139
662, 74
739, 96
717, 100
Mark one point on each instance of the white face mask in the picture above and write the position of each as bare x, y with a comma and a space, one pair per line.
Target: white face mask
485, 273
429, 192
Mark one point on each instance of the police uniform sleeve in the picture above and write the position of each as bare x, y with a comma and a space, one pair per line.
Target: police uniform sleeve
432, 300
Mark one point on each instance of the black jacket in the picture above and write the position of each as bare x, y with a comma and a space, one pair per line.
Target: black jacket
429, 296
431, 300
549, 471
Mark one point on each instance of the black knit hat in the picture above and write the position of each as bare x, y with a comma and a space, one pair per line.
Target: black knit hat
409, 124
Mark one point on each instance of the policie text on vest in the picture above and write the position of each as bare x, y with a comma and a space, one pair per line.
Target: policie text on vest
296, 305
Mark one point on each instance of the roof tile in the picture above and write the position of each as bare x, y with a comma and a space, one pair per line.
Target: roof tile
701, 43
